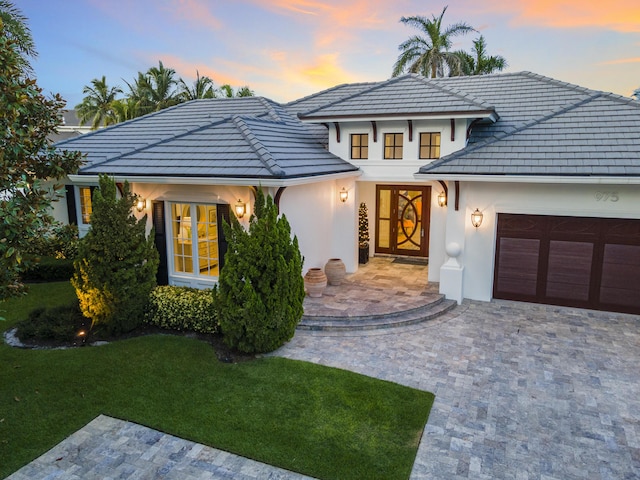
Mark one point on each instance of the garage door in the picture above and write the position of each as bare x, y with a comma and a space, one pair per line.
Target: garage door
573, 261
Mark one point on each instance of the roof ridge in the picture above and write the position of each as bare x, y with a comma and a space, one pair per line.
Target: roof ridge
502, 136
262, 151
458, 93
374, 86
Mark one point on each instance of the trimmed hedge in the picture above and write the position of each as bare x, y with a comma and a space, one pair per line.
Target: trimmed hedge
183, 308
49, 269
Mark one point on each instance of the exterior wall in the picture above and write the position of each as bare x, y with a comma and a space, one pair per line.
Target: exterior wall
478, 244
376, 168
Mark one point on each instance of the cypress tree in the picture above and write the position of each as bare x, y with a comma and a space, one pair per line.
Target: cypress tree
116, 266
261, 288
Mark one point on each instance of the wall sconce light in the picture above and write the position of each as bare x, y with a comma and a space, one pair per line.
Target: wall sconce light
241, 209
344, 195
442, 199
476, 218
141, 204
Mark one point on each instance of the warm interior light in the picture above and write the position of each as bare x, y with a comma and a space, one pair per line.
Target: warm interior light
241, 209
442, 199
141, 204
476, 218
344, 195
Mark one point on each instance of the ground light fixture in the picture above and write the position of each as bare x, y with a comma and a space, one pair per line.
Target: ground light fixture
442, 199
476, 218
240, 208
344, 195
141, 204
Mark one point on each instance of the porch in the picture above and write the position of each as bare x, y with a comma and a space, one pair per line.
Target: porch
387, 291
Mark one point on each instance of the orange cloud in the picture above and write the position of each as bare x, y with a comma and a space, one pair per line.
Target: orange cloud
621, 15
621, 61
197, 11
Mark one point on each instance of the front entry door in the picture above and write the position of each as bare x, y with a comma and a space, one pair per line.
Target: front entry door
402, 219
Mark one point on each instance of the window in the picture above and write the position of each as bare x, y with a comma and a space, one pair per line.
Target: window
429, 145
85, 204
194, 234
392, 145
359, 146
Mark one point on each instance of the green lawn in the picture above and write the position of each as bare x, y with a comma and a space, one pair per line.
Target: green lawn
320, 421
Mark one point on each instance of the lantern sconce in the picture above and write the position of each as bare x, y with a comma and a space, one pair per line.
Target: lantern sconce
442, 199
344, 195
240, 208
141, 204
476, 218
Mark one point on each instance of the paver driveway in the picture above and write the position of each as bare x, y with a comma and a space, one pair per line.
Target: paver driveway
523, 391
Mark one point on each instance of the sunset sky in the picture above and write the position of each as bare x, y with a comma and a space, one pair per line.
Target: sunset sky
286, 49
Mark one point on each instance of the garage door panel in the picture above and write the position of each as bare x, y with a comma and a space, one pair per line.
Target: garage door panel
519, 266
573, 261
569, 270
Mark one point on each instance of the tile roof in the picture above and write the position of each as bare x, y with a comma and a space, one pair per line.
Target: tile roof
235, 138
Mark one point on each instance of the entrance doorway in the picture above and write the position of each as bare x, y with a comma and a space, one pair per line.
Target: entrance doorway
402, 219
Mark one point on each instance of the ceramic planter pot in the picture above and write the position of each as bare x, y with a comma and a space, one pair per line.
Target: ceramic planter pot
335, 271
315, 281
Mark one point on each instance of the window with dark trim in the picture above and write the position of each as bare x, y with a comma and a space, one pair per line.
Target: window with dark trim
359, 146
429, 145
393, 146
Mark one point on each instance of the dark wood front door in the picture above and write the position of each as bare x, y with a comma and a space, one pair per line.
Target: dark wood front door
402, 219
574, 261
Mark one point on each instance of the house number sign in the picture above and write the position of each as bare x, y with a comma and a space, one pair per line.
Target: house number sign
607, 196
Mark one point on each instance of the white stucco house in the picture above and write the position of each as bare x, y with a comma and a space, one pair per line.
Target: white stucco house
550, 170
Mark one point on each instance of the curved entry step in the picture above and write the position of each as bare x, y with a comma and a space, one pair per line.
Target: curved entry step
411, 316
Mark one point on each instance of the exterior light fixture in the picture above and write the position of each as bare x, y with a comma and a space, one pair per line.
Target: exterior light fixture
240, 208
141, 204
476, 218
442, 199
344, 195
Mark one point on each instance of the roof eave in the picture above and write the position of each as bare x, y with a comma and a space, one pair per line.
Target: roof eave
555, 179
490, 115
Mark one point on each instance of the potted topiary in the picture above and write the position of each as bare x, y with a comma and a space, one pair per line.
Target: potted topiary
363, 234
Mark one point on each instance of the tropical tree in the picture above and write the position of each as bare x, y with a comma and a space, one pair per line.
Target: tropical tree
480, 63
202, 88
97, 106
160, 87
27, 160
636, 93
124, 109
17, 30
430, 54
226, 91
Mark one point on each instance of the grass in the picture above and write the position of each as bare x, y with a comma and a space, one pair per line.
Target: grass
323, 422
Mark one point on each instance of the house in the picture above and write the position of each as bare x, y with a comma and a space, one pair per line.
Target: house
514, 186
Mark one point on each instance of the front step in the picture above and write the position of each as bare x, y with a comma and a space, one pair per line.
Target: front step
375, 322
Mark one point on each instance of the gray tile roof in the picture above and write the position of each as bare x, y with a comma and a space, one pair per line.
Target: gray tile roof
546, 128
251, 138
409, 95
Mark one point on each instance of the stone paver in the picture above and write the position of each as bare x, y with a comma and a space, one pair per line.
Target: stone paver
108, 448
523, 391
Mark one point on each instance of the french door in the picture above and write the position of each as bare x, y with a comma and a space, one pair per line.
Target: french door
402, 219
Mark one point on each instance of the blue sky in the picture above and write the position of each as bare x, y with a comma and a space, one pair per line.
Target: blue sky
286, 49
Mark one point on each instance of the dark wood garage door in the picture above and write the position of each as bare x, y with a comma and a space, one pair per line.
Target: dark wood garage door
573, 261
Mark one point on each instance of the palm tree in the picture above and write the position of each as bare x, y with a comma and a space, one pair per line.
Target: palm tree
636, 93
429, 55
227, 91
481, 64
202, 88
138, 97
160, 87
17, 30
97, 105
125, 109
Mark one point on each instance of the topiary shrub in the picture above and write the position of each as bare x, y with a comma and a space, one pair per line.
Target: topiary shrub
116, 266
261, 288
183, 308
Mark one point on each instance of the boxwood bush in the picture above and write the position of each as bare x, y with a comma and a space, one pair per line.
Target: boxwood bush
49, 269
183, 308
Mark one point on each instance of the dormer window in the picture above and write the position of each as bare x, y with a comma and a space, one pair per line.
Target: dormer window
393, 146
429, 145
359, 146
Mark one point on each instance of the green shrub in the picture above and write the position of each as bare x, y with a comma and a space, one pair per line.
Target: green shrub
58, 323
49, 269
183, 308
116, 266
55, 240
261, 288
